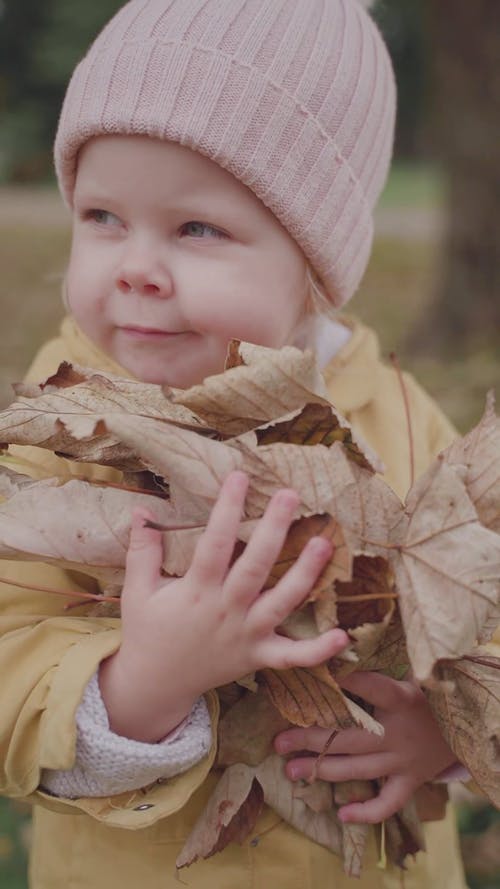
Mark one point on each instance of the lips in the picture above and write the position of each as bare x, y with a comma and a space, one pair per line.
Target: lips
149, 331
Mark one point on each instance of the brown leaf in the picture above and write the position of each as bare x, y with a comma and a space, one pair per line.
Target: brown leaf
369, 596
233, 357
466, 704
403, 835
380, 647
447, 568
279, 793
431, 801
479, 454
269, 384
318, 423
230, 815
339, 565
247, 730
312, 697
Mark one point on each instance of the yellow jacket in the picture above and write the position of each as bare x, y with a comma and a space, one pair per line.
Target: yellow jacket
48, 656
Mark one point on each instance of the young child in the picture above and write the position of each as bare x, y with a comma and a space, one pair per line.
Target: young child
222, 159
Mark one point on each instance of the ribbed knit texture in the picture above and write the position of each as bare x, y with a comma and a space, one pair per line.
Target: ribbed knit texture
295, 98
106, 763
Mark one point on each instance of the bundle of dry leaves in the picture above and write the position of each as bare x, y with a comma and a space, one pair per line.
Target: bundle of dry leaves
416, 585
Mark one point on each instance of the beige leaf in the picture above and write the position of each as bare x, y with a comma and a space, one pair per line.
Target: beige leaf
62, 414
247, 730
354, 840
479, 453
317, 795
327, 481
354, 836
322, 827
269, 384
447, 568
466, 704
230, 815
77, 524
300, 624
195, 466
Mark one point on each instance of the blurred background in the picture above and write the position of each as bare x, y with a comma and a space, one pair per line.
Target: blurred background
432, 289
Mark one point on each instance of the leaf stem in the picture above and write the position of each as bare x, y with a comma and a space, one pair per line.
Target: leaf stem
397, 367
314, 774
366, 597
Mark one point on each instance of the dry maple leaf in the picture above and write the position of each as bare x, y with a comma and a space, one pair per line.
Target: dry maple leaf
403, 834
479, 454
317, 795
268, 384
62, 414
247, 730
466, 704
230, 815
447, 569
319, 423
323, 827
354, 836
311, 696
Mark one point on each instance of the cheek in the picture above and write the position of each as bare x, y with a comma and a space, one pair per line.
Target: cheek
82, 299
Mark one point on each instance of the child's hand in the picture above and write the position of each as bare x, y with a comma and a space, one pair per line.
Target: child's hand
212, 626
411, 751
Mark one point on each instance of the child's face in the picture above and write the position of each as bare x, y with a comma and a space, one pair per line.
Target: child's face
172, 256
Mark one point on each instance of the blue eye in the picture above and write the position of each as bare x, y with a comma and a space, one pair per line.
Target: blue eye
195, 229
102, 217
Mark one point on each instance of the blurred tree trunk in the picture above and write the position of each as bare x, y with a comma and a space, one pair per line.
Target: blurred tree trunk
465, 49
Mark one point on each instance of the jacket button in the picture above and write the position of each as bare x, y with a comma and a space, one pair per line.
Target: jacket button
144, 807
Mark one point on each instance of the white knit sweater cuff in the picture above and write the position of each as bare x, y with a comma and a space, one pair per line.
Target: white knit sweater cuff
107, 764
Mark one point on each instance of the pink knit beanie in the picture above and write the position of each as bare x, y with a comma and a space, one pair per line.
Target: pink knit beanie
295, 98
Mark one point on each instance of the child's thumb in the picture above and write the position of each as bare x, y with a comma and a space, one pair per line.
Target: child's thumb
144, 557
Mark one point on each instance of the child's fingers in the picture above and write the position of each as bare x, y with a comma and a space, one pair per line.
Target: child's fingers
393, 795
349, 741
250, 572
281, 653
144, 557
215, 546
340, 768
380, 690
276, 604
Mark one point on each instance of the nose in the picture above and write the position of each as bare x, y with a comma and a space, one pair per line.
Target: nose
143, 271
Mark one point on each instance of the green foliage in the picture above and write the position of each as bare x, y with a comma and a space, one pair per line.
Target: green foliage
14, 828
40, 44
403, 25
